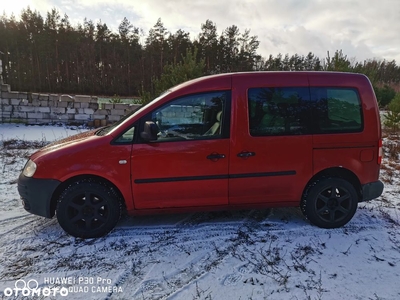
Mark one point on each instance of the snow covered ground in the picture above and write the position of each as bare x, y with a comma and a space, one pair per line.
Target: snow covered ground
36, 133
267, 254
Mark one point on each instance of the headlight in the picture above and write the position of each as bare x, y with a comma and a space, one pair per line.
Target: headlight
30, 169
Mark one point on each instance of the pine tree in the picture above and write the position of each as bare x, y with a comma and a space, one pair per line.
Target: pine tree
392, 119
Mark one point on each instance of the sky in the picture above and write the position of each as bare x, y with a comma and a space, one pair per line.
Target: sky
362, 29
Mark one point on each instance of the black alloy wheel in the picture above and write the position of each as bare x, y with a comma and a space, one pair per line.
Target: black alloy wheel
330, 202
88, 209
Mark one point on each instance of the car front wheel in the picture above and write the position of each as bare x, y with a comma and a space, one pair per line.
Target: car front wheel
88, 209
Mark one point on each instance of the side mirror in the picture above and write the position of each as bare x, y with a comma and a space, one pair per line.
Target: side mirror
150, 131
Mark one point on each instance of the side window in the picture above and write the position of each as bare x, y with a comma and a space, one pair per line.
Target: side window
337, 110
279, 111
197, 116
126, 137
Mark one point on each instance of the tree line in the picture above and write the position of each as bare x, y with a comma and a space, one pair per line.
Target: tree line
51, 55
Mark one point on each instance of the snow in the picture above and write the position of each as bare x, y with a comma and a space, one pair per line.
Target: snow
37, 132
253, 254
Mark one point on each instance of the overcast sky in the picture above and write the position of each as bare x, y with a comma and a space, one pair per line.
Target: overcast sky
363, 29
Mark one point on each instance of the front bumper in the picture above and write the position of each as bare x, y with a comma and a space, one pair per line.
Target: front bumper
371, 190
36, 194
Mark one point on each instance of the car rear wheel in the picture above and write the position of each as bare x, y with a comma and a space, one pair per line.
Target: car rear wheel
330, 202
88, 209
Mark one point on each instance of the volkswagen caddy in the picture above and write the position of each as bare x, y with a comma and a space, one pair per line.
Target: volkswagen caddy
238, 140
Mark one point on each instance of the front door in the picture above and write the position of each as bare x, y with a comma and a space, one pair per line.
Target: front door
187, 166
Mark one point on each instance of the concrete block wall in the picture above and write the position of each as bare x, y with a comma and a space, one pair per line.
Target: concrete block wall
35, 108
181, 114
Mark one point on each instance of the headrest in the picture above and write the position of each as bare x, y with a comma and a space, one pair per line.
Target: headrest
219, 116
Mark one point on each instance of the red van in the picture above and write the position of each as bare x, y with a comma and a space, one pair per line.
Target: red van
239, 140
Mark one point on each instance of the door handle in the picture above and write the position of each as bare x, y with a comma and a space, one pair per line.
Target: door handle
215, 156
246, 154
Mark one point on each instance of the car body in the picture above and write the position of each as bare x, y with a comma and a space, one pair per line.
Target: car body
236, 140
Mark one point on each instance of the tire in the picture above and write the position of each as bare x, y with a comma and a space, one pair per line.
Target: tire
330, 202
88, 209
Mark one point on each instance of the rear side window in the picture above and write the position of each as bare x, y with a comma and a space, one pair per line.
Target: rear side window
279, 111
336, 110
299, 110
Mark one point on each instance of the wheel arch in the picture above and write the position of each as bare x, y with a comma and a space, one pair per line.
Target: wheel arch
340, 173
63, 185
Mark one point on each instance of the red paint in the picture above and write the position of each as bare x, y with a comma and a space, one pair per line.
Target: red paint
259, 180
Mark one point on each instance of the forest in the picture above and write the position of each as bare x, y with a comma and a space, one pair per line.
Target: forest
49, 54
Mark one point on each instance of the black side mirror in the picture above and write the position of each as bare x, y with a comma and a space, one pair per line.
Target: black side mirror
150, 131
